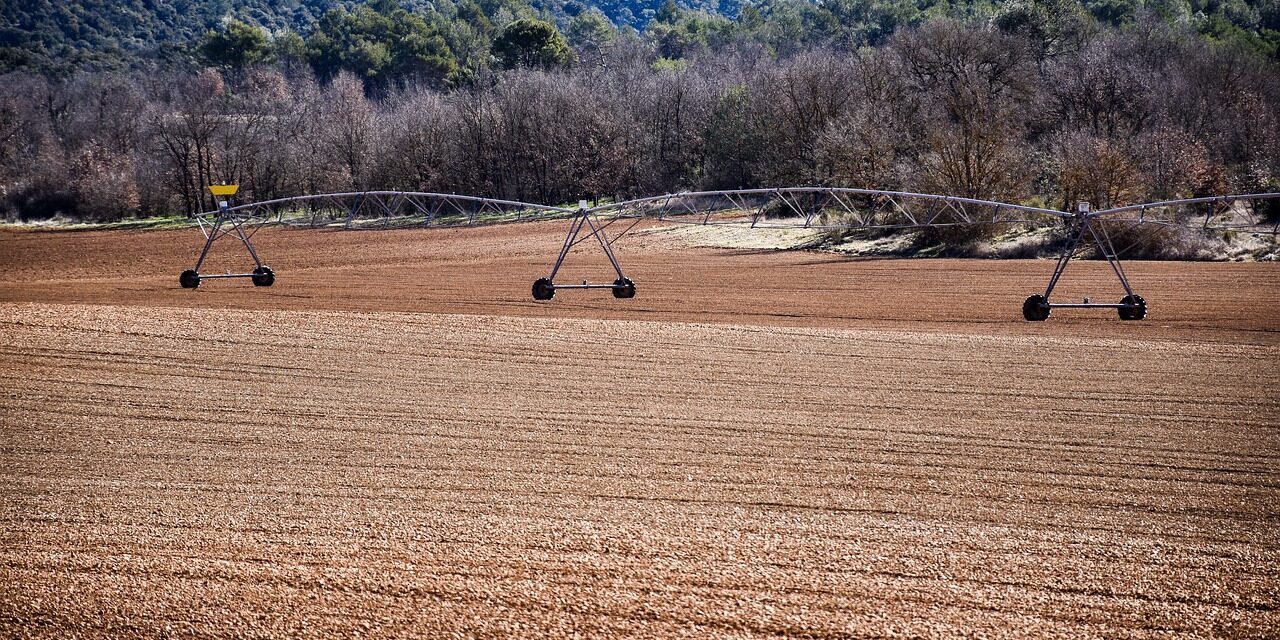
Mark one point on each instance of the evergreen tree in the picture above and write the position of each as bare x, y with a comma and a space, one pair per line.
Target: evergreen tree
531, 43
381, 43
237, 45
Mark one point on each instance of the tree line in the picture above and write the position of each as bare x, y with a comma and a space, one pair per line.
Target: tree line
1026, 108
63, 36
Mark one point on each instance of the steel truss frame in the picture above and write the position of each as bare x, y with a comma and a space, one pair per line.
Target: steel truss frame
818, 208
585, 226
221, 224
1210, 213
832, 208
1081, 229
351, 210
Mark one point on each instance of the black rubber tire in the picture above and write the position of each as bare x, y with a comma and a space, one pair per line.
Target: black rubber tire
1036, 308
1137, 312
624, 288
263, 277
189, 279
543, 289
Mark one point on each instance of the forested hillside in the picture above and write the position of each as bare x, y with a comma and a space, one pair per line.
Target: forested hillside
1038, 101
61, 36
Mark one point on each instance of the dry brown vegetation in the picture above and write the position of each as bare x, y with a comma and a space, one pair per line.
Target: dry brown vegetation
395, 440
1112, 117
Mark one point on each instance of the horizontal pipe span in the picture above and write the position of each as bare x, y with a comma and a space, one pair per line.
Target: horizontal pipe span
1174, 203
840, 190
621, 207
409, 194
1091, 305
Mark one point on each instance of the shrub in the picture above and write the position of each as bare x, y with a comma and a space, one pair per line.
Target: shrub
957, 241
1138, 241
41, 201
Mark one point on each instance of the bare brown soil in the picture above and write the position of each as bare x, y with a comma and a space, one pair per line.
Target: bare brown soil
395, 440
489, 271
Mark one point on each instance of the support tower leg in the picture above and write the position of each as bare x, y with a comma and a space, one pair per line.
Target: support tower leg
1037, 307
226, 225
582, 227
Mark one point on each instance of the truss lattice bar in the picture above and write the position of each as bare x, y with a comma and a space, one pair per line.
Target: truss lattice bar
1230, 212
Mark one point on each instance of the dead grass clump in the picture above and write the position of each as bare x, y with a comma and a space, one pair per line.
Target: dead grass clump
1025, 248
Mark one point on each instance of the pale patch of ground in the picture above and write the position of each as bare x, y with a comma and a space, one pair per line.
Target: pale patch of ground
737, 236
1014, 241
772, 236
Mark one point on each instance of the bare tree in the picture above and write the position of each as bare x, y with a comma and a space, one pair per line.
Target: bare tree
1102, 88
979, 84
348, 128
415, 136
186, 120
807, 94
951, 108
1098, 170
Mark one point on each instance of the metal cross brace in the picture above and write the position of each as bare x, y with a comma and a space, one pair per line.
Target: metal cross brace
238, 228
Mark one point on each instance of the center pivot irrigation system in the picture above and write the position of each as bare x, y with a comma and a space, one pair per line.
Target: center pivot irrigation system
818, 208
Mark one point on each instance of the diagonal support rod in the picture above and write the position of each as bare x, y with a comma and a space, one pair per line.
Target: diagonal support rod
1103, 240
1131, 307
582, 227
226, 223
238, 230
1078, 230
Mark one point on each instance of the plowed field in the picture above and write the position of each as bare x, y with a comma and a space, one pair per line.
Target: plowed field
395, 440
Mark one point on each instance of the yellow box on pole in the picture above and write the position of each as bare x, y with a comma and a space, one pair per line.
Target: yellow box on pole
224, 189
